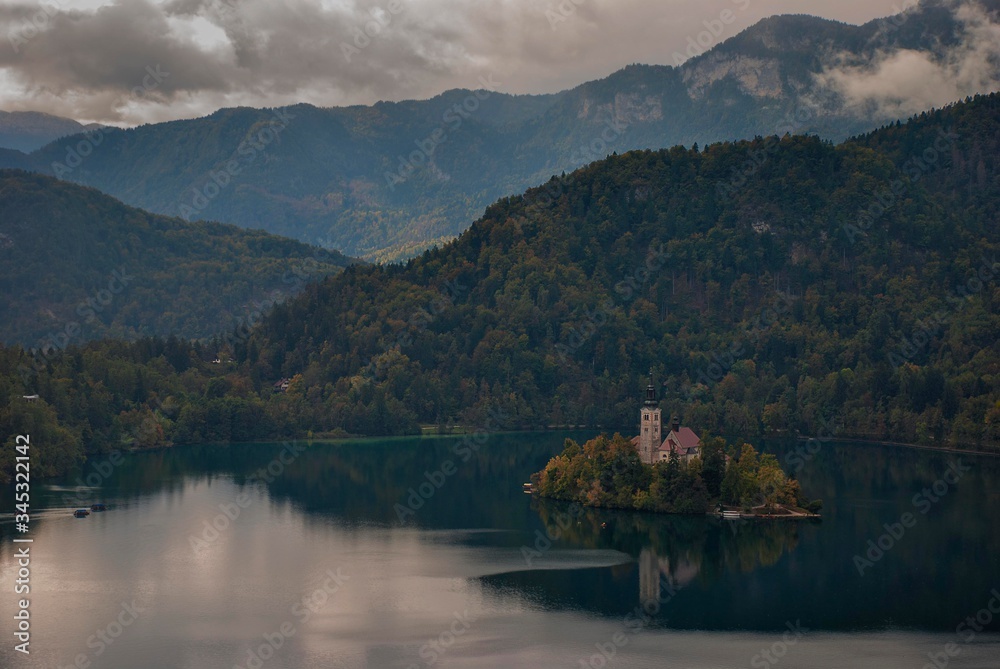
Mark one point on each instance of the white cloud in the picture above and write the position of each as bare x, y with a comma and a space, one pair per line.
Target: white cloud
89, 54
903, 82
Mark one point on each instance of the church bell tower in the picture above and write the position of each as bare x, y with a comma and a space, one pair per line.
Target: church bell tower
650, 434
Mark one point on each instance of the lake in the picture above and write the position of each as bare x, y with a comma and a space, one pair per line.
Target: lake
424, 552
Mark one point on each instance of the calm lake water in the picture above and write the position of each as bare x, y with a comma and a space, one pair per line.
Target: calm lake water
315, 568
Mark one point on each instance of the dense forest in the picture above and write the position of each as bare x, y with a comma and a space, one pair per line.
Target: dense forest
77, 265
775, 286
386, 181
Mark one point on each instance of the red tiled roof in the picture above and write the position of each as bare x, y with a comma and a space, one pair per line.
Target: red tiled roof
684, 440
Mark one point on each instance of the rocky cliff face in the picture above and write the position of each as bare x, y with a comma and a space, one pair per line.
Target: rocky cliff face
757, 77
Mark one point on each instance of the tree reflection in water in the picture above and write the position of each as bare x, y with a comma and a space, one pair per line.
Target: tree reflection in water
673, 552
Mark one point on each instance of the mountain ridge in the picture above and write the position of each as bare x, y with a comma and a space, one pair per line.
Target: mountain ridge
374, 182
26, 131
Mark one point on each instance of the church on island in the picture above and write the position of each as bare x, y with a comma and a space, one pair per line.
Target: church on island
653, 447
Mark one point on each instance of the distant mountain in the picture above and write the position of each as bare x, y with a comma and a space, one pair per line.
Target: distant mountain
14, 159
388, 180
77, 265
774, 286
27, 131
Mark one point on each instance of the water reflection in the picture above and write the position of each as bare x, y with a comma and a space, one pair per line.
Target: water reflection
669, 554
340, 500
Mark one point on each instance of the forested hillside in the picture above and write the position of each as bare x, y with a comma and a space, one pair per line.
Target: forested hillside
853, 283
389, 180
77, 265
773, 286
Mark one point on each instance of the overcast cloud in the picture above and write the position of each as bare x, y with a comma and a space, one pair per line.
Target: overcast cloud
905, 82
88, 59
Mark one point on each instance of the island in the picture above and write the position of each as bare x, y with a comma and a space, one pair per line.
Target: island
680, 474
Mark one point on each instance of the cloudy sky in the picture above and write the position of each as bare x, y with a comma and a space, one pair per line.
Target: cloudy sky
133, 61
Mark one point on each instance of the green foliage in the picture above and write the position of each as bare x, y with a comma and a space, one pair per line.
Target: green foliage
770, 315
607, 472
53, 448
713, 468
755, 481
78, 265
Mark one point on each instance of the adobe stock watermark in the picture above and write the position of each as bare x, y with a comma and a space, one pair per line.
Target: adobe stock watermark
254, 315
87, 309
927, 329
543, 540
894, 22
968, 630
229, 512
710, 36
598, 147
246, 154
296, 278
464, 450
562, 12
626, 289
923, 502
34, 25
772, 655
451, 121
420, 320
792, 122
914, 169
149, 432
724, 361
635, 621
362, 36
302, 611
595, 149
76, 153
95, 478
431, 651
106, 636
804, 453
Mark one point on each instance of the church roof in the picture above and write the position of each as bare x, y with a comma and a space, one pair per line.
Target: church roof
684, 440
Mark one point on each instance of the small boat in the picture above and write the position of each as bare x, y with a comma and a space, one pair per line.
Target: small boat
100, 506
528, 488
731, 515
81, 513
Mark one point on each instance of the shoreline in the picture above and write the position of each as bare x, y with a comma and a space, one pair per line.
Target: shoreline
877, 442
718, 515
427, 435
361, 438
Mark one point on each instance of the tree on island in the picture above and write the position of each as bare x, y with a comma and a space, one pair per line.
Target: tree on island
607, 472
757, 481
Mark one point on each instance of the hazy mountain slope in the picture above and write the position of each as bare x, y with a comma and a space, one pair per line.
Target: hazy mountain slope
384, 181
76, 265
13, 159
27, 131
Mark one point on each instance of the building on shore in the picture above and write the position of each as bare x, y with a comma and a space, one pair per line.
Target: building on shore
653, 446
